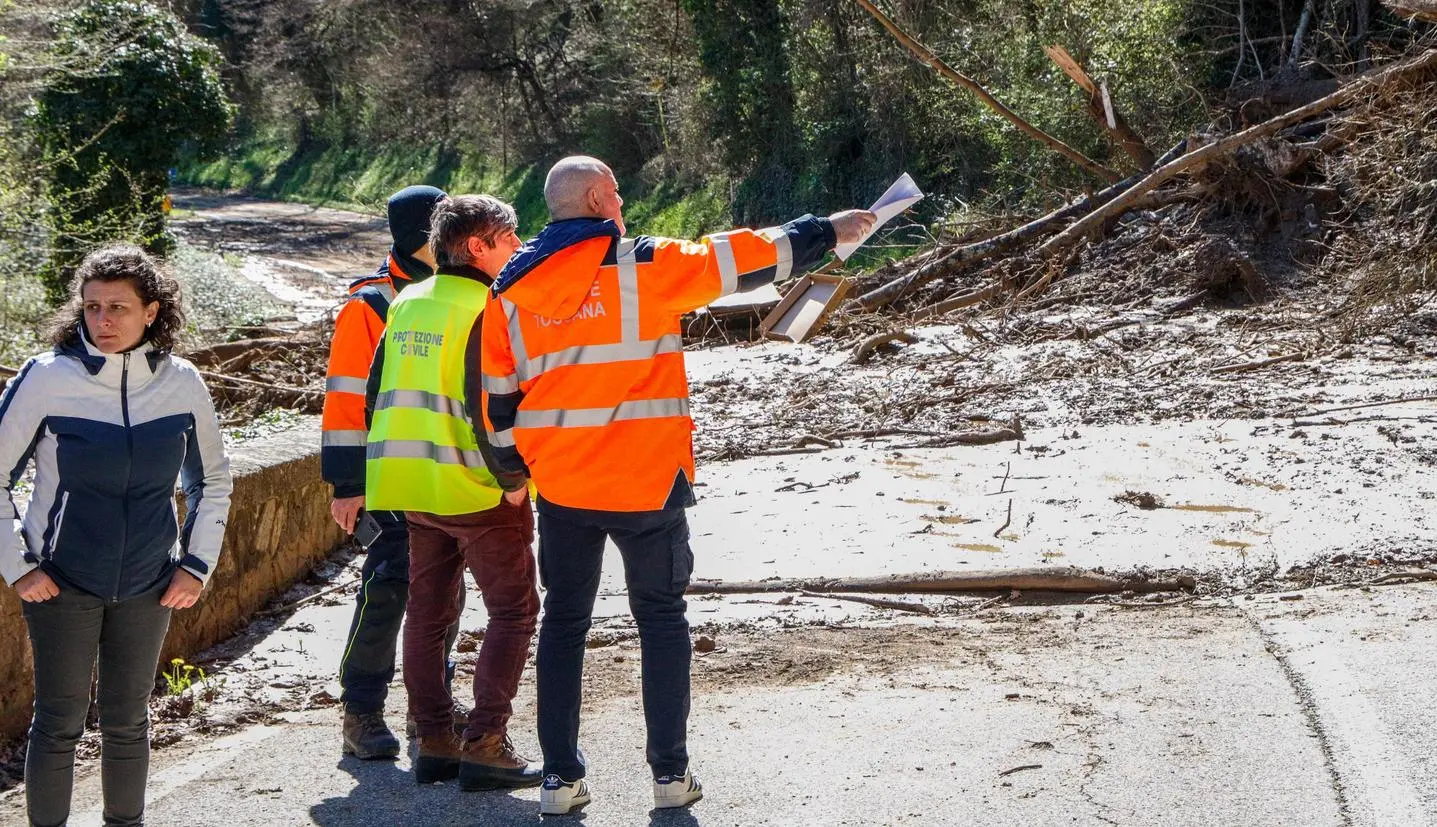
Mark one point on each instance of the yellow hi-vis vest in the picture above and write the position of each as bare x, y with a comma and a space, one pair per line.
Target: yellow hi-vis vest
422, 453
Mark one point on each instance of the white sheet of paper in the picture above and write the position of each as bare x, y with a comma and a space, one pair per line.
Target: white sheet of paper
899, 197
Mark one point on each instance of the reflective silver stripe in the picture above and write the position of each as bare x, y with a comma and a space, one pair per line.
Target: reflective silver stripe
598, 417
423, 400
783, 268
386, 290
344, 439
344, 384
420, 449
628, 293
727, 264
604, 354
502, 439
516, 339
500, 384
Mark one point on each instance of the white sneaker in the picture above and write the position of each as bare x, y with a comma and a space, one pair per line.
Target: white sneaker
677, 790
558, 796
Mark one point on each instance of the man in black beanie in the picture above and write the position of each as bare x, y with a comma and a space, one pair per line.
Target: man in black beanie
367, 664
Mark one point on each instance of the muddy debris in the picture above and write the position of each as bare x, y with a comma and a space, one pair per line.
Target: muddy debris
1142, 499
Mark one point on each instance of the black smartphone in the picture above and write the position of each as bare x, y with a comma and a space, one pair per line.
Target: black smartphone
366, 530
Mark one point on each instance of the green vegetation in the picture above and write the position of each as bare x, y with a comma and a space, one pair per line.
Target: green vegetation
185, 678
129, 88
364, 179
721, 111
23, 311
217, 298
181, 676
712, 112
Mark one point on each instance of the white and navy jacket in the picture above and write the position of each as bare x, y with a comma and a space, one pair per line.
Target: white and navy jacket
109, 434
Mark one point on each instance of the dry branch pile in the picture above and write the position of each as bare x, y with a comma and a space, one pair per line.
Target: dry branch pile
1268, 182
265, 369
1234, 281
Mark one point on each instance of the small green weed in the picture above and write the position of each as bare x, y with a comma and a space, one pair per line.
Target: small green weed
182, 678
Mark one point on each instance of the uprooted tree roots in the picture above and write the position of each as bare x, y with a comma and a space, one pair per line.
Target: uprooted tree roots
1343, 184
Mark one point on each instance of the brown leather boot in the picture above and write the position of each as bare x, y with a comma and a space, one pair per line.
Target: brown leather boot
438, 758
490, 763
367, 737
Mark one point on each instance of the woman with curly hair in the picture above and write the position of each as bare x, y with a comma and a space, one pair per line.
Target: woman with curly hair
111, 419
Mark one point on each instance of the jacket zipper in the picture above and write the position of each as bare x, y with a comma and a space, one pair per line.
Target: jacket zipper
59, 524
129, 468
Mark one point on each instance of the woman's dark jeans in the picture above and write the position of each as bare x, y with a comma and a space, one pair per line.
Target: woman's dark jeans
67, 634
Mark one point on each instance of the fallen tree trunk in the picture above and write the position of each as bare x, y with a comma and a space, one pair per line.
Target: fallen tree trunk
876, 602
961, 257
1013, 432
927, 56
1364, 85
238, 380
1073, 580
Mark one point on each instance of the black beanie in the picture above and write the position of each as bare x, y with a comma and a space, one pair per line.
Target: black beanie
409, 213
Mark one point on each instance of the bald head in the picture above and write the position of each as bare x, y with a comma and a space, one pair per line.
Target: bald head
583, 187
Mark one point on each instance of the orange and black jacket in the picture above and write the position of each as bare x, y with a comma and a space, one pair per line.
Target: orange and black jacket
583, 362
358, 330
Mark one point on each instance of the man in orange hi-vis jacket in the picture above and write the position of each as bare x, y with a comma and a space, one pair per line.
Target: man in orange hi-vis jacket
366, 665
584, 390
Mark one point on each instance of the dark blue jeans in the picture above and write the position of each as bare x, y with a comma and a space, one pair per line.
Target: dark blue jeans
367, 665
657, 566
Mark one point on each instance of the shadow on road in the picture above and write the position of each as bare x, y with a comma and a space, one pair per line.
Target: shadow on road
672, 818
385, 794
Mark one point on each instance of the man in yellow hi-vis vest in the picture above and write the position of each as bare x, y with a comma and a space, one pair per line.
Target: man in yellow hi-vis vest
428, 456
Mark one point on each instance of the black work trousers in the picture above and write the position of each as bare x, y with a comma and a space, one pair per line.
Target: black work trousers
657, 567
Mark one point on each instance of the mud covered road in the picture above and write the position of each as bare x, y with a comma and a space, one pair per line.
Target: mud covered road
1290, 688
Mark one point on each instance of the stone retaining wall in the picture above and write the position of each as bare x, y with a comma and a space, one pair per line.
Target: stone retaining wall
279, 528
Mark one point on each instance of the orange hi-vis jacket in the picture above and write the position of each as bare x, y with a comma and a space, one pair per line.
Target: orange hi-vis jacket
582, 359
358, 330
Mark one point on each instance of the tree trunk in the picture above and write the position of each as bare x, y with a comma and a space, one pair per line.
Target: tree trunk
927, 56
1045, 579
1100, 106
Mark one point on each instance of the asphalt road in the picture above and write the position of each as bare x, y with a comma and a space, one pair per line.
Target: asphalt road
1259, 712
